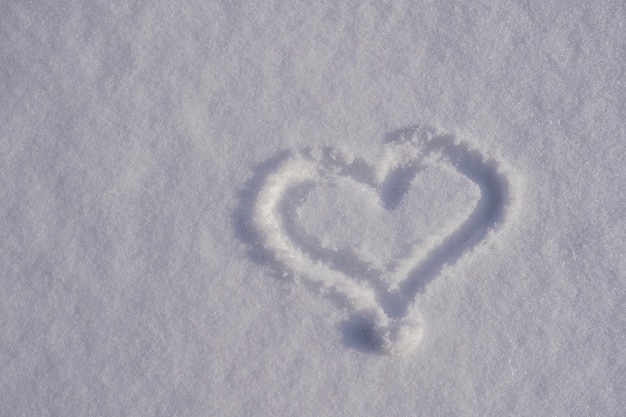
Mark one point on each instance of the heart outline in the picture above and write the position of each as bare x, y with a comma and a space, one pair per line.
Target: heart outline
393, 330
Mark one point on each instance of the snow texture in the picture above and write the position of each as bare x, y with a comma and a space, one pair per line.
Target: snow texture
226, 208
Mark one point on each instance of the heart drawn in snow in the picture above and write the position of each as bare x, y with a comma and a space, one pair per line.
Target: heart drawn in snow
377, 233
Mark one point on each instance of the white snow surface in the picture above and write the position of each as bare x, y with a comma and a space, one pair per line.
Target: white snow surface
227, 208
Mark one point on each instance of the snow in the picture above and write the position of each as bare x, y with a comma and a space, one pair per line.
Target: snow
238, 209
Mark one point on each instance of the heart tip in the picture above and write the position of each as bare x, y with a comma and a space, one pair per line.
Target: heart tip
383, 335
399, 337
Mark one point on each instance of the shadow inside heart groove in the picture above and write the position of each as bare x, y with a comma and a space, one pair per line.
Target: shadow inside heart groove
275, 202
